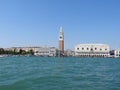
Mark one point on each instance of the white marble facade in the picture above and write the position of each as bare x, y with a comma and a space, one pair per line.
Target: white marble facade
94, 50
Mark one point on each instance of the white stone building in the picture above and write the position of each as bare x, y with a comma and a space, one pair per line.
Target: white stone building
47, 51
92, 50
116, 53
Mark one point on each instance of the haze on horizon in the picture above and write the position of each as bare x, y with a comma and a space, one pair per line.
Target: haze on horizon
37, 22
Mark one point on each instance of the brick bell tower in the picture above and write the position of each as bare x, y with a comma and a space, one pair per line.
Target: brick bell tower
61, 41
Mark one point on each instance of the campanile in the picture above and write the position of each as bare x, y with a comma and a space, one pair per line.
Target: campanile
61, 41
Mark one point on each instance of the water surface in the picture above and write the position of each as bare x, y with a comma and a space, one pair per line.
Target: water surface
55, 73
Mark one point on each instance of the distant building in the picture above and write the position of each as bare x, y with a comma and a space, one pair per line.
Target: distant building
92, 50
47, 51
61, 41
17, 49
69, 53
115, 53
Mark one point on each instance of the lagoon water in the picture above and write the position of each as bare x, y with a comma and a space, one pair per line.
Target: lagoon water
55, 73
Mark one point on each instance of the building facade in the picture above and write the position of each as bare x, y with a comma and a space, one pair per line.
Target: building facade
61, 41
68, 52
115, 53
47, 51
38, 51
92, 50
17, 49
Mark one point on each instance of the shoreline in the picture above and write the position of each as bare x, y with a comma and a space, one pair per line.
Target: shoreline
54, 56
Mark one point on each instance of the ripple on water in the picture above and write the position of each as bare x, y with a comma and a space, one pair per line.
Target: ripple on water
38, 73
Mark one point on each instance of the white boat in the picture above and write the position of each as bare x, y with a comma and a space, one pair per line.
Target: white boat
3, 55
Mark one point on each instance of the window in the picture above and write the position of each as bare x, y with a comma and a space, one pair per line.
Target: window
82, 48
100, 49
77, 48
91, 49
87, 48
95, 48
106, 49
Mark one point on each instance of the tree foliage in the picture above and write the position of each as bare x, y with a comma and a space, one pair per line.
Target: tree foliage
15, 52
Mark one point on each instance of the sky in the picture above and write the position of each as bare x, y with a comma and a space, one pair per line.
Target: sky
37, 22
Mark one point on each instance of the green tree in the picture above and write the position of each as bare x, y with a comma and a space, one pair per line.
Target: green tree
31, 52
1, 51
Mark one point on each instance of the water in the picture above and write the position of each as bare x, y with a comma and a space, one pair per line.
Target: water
51, 73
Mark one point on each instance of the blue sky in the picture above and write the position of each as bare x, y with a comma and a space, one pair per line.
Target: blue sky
37, 22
